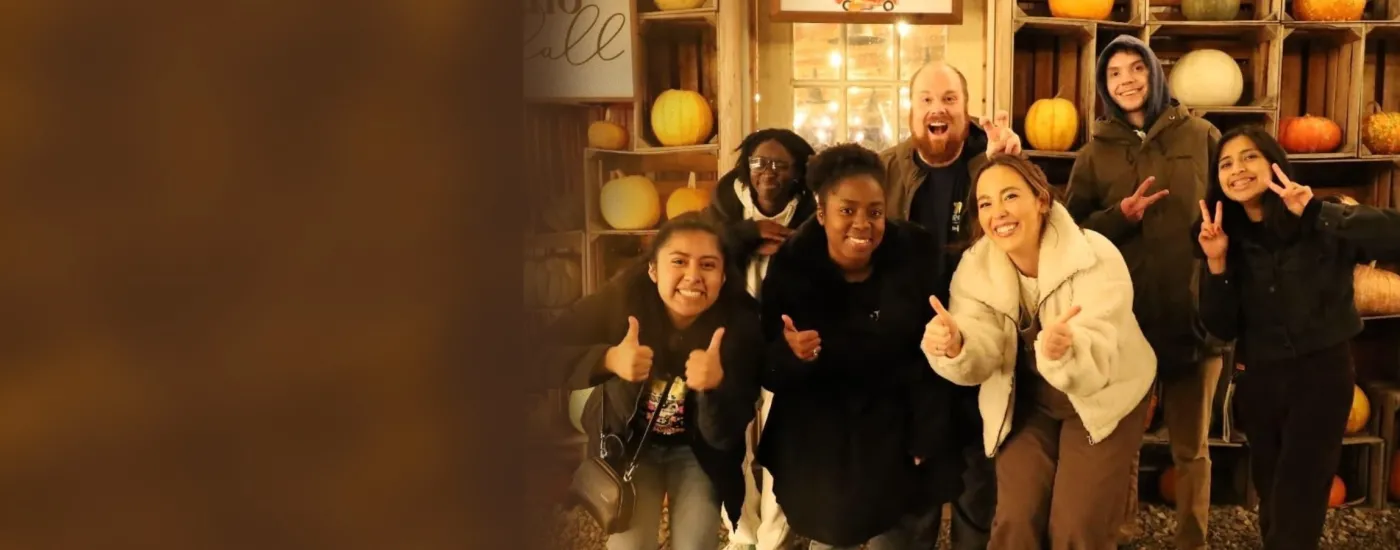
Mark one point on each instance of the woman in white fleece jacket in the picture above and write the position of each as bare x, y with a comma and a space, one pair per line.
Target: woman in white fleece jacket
1041, 316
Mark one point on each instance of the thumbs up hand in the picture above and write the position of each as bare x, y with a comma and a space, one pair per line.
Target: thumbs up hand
805, 344
941, 336
703, 370
1057, 338
629, 359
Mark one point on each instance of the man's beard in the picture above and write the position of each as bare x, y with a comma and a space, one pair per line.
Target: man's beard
940, 151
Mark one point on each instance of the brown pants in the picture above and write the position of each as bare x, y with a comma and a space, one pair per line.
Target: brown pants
1052, 484
1186, 412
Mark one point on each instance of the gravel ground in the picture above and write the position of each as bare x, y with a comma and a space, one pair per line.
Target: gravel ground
1231, 527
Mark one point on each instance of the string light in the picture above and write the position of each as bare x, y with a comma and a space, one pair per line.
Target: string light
902, 28
835, 59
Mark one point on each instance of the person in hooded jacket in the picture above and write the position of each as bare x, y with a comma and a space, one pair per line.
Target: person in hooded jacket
1278, 276
760, 201
858, 424
673, 333
1137, 181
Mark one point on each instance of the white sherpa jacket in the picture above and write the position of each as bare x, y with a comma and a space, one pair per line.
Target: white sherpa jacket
1110, 367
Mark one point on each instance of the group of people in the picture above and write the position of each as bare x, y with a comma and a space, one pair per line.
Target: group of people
845, 341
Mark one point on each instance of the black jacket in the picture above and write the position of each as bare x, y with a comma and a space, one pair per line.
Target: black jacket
714, 420
844, 429
1286, 299
742, 234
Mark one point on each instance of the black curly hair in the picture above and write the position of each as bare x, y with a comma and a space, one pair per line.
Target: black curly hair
839, 162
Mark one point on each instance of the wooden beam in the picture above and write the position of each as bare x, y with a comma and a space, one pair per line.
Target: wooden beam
733, 46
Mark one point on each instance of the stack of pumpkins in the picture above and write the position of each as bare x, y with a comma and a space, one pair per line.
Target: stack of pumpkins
632, 203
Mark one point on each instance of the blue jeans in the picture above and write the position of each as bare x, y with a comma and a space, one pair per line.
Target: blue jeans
902, 536
673, 471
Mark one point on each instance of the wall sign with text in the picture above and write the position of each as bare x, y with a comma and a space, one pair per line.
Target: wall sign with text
580, 50
914, 12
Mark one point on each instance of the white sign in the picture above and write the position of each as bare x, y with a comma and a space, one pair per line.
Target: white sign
579, 50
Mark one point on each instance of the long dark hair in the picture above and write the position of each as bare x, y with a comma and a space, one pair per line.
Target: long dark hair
795, 145
1277, 219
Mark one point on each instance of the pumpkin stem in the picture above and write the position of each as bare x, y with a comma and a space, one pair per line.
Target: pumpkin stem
1374, 107
616, 174
1060, 92
691, 183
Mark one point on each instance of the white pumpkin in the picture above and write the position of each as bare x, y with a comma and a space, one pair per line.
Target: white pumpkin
1206, 78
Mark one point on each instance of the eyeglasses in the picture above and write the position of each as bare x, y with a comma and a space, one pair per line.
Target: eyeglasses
760, 163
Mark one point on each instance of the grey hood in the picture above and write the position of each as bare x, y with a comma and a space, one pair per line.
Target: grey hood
1159, 97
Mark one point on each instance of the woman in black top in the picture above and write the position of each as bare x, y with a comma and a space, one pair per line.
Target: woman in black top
858, 439
762, 199
674, 322
1278, 277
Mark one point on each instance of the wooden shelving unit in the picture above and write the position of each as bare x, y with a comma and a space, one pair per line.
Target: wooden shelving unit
1290, 68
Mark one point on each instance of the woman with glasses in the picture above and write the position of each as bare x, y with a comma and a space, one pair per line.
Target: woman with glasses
760, 202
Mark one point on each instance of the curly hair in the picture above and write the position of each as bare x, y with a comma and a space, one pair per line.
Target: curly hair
839, 162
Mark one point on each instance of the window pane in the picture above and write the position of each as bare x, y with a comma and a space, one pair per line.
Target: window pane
870, 53
872, 120
919, 44
904, 104
816, 115
816, 51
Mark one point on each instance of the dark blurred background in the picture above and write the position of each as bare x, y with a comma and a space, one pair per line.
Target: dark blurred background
247, 252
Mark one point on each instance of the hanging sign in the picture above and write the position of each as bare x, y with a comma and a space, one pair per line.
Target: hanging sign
914, 12
580, 50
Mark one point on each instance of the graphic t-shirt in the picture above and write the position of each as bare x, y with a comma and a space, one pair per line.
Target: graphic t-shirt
671, 420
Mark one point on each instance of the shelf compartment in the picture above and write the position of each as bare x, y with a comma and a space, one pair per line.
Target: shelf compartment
1170, 12
1375, 10
675, 54
1380, 78
1125, 13
1053, 59
1318, 75
1255, 47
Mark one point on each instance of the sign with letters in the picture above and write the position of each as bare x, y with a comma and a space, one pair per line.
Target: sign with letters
914, 12
580, 50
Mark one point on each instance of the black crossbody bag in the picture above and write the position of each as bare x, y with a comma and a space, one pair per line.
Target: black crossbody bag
599, 488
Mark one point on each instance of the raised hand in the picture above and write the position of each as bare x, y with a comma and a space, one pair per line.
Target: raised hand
629, 359
703, 370
1213, 240
1000, 137
1295, 197
1057, 338
1136, 205
805, 344
941, 335
772, 235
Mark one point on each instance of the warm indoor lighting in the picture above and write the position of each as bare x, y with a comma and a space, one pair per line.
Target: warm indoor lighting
860, 136
855, 120
890, 52
799, 119
835, 59
902, 28
826, 122
756, 98
833, 106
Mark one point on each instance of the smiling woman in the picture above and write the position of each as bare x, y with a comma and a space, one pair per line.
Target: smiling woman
856, 412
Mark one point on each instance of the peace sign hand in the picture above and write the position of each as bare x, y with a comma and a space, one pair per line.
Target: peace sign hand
1136, 205
1295, 197
1057, 338
703, 370
1213, 240
1000, 138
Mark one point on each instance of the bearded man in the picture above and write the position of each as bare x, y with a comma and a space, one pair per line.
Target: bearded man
930, 177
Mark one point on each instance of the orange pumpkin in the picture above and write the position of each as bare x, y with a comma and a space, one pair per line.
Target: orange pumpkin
1309, 134
1338, 496
1166, 485
1328, 10
1360, 411
1380, 131
686, 199
1081, 9
607, 135
681, 117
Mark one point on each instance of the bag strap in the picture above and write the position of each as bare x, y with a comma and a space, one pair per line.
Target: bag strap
636, 456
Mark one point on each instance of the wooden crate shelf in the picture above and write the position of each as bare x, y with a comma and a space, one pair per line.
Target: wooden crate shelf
680, 54
668, 171
1254, 46
1250, 10
1375, 10
612, 253
1319, 77
647, 12
1225, 120
1380, 78
1126, 13
1053, 59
